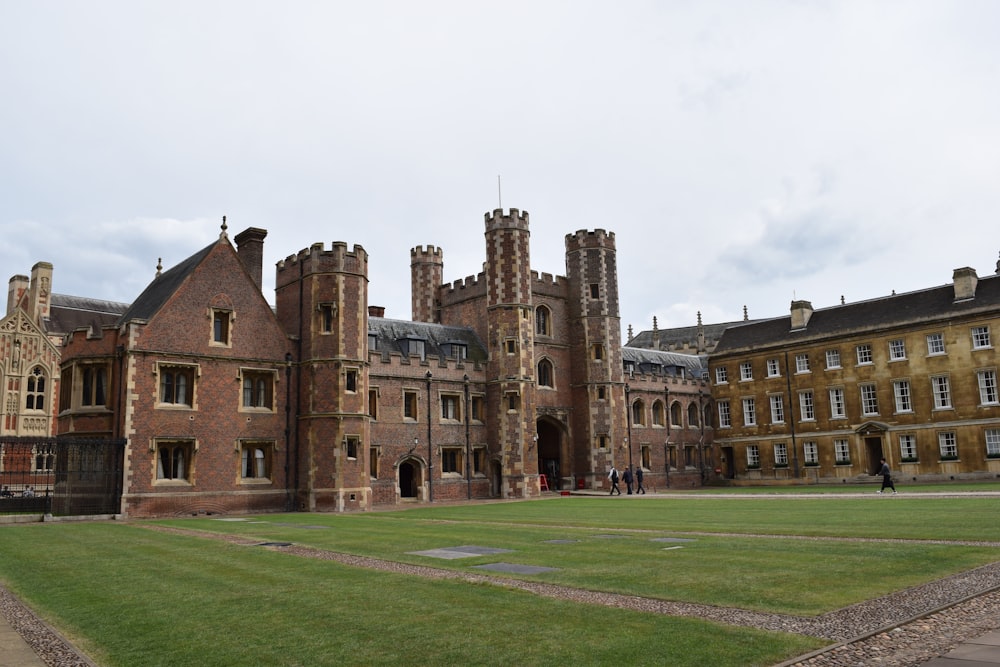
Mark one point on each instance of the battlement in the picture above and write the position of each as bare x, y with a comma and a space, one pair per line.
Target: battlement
430, 252
583, 239
385, 361
515, 219
337, 258
546, 278
469, 282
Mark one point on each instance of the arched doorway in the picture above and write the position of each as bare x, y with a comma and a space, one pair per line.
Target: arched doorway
410, 479
550, 461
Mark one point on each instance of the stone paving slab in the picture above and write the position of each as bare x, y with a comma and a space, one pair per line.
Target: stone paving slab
514, 568
464, 551
671, 539
14, 651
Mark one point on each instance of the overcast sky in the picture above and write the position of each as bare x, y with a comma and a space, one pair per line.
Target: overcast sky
743, 152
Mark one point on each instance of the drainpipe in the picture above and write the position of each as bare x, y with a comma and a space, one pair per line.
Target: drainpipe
468, 450
430, 451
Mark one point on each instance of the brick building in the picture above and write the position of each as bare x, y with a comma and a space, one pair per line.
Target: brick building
501, 385
31, 338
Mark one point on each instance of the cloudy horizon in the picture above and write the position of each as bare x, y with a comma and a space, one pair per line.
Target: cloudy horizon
743, 154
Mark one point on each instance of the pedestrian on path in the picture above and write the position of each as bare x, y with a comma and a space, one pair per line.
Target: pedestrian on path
628, 479
613, 476
638, 481
886, 478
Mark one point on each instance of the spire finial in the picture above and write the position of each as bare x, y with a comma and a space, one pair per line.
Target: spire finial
699, 318
159, 266
655, 327
746, 315
224, 228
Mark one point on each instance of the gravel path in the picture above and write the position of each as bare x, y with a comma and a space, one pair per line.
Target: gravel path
906, 628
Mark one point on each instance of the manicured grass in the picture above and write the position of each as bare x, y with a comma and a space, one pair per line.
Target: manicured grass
792, 576
132, 596
969, 517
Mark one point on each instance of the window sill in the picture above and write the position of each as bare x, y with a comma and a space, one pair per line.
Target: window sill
254, 481
172, 482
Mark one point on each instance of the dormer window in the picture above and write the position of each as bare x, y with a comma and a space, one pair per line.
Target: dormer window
456, 350
414, 347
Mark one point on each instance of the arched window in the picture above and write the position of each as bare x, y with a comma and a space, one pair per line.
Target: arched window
543, 321
675, 414
657, 413
545, 374
35, 394
692, 415
638, 413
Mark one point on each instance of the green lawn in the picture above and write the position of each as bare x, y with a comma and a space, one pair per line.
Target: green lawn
133, 596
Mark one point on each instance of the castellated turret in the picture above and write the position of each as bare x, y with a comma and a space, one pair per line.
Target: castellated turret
322, 301
595, 339
426, 276
510, 338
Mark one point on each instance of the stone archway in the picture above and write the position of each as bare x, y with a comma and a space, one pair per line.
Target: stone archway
410, 477
551, 461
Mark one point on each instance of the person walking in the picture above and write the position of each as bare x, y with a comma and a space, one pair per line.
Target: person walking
886, 478
613, 476
628, 479
638, 481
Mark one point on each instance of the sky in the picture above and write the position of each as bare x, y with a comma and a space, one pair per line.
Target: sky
744, 153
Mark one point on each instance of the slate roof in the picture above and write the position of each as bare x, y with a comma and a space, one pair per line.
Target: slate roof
69, 313
694, 365
390, 332
889, 312
163, 286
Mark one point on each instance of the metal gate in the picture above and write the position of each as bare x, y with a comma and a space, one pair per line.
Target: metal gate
64, 476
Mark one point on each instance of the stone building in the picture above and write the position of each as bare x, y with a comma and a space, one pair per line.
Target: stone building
822, 395
31, 338
502, 385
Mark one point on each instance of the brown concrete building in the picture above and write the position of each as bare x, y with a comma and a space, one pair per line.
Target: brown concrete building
822, 395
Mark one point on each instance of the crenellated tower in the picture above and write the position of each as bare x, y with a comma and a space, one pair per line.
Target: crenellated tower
595, 340
322, 300
510, 370
426, 277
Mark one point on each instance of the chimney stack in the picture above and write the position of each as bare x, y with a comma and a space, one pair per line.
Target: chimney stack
250, 248
801, 312
965, 283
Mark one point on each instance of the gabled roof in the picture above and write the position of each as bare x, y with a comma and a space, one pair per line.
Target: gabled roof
389, 332
69, 313
928, 305
163, 287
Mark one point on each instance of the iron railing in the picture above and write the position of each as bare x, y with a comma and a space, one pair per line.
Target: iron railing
64, 476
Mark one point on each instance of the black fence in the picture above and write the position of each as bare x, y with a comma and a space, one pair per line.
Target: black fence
61, 476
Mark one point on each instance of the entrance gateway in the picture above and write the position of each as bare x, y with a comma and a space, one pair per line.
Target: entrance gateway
873, 435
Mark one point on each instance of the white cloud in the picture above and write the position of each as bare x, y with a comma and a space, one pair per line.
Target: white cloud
741, 152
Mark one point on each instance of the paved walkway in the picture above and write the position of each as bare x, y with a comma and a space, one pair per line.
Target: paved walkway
980, 652
14, 651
